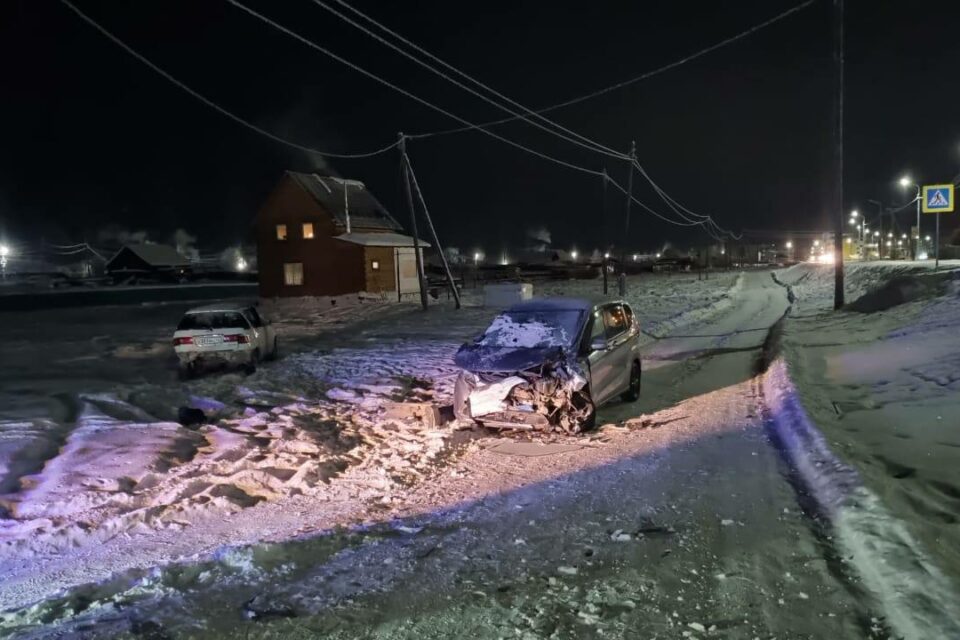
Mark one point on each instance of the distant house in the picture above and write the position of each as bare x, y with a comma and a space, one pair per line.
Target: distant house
151, 261
325, 236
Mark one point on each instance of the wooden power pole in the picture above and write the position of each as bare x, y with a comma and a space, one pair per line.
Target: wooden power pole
413, 221
837, 200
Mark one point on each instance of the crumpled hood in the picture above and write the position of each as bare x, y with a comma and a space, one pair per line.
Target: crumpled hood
484, 359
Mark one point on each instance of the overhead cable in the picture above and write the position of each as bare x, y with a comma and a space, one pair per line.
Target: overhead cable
213, 105
402, 91
630, 81
568, 134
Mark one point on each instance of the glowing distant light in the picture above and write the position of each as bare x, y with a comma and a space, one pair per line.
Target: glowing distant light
241, 264
789, 245
876, 233
890, 235
4, 251
606, 255
573, 254
899, 243
634, 257
816, 243
849, 241
923, 256
905, 181
658, 256
927, 238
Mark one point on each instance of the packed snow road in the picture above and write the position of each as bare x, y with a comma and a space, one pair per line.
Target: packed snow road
678, 518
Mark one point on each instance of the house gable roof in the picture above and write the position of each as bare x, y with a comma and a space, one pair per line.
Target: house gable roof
155, 255
366, 212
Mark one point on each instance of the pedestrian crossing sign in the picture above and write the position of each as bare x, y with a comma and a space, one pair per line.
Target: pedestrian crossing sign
938, 198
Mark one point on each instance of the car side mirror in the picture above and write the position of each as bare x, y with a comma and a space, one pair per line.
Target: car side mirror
598, 344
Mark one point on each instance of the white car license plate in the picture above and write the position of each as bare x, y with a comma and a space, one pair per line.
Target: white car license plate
206, 341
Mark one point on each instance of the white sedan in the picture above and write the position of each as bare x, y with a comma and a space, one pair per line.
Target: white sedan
230, 334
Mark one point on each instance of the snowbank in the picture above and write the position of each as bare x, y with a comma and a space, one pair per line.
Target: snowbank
919, 599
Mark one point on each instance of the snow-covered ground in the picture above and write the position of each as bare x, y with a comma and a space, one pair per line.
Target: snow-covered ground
817, 500
880, 381
94, 464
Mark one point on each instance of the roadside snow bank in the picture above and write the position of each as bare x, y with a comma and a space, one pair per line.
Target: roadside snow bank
813, 283
719, 297
920, 601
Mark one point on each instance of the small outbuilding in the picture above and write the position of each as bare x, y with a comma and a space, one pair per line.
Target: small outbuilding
151, 261
326, 236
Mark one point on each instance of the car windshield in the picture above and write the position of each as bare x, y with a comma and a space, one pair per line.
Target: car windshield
532, 329
212, 320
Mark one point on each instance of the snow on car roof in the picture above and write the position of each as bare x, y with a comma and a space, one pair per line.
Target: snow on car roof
223, 306
559, 304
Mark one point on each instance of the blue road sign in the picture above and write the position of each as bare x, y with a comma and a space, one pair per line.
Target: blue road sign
938, 198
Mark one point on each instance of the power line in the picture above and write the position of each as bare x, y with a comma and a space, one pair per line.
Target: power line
644, 76
645, 207
210, 103
710, 225
402, 91
576, 138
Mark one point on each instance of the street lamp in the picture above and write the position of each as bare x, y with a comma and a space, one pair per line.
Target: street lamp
905, 182
789, 245
573, 254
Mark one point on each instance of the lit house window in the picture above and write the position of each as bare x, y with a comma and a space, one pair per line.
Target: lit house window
308, 231
293, 274
375, 265
281, 232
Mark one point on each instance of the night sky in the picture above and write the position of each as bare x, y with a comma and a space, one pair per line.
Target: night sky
90, 137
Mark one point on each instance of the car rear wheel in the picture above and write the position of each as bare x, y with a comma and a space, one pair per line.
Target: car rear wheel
251, 366
275, 351
186, 370
632, 394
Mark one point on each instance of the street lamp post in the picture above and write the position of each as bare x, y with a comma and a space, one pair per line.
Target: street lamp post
906, 182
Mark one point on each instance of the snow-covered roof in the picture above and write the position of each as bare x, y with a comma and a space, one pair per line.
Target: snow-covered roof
220, 307
379, 239
156, 255
366, 212
555, 304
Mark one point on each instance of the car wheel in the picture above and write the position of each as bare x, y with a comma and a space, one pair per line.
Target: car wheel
275, 353
461, 400
186, 370
632, 394
251, 366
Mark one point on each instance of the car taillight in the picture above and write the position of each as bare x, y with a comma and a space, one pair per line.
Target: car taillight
238, 338
179, 341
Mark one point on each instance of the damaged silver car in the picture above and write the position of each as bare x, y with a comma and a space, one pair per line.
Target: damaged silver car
547, 364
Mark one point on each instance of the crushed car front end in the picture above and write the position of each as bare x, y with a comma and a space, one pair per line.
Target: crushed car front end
523, 373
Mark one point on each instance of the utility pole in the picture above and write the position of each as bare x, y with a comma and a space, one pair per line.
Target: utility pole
433, 232
839, 218
603, 217
916, 243
413, 221
622, 279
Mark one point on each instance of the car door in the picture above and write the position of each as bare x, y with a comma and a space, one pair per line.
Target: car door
597, 358
618, 349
